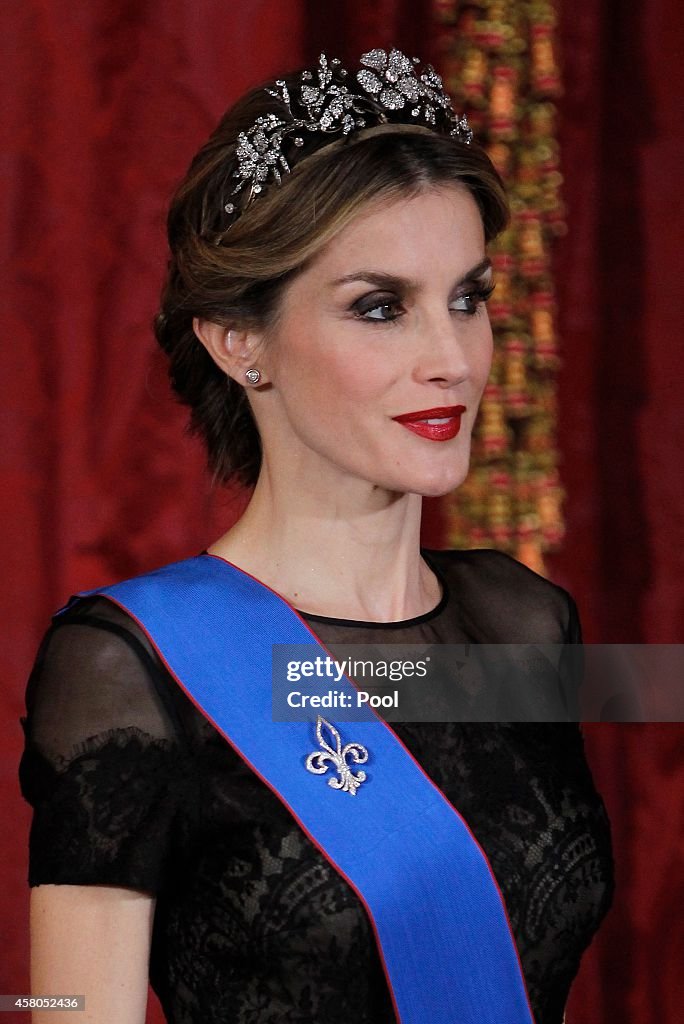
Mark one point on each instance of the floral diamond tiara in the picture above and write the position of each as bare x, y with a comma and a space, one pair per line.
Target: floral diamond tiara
396, 91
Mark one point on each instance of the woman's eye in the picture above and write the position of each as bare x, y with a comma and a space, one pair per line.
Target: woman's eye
472, 301
387, 311
381, 312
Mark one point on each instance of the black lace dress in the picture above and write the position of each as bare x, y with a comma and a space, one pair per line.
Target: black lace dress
132, 786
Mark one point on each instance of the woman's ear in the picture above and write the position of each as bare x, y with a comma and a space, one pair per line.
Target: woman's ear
233, 351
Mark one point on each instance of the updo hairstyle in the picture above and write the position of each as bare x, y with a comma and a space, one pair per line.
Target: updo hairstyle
234, 274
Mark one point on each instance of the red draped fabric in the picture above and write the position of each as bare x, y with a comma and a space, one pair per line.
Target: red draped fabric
105, 103
621, 303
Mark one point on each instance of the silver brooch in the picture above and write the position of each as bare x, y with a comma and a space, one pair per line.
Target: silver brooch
324, 105
348, 781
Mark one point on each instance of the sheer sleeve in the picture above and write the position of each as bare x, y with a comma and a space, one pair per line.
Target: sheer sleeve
105, 766
571, 667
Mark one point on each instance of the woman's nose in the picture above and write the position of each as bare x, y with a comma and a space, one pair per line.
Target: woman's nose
443, 353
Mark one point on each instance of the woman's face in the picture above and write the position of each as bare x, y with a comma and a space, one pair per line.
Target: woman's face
389, 319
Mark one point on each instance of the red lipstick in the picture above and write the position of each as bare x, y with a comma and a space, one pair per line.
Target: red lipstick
450, 416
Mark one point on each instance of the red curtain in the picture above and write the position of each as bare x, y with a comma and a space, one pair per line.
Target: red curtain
621, 303
106, 102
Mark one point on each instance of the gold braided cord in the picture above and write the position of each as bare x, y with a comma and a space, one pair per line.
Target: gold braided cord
498, 62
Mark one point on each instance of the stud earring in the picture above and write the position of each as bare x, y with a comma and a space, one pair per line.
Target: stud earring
253, 376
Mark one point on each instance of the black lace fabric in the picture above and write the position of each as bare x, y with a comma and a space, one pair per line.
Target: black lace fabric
130, 785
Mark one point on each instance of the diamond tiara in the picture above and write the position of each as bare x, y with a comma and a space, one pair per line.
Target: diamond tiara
396, 91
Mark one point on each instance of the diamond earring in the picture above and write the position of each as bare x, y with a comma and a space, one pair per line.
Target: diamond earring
253, 376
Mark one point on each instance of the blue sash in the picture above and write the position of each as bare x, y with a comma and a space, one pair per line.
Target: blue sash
435, 907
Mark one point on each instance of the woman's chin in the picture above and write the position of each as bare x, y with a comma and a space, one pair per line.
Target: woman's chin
439, 490
437, 483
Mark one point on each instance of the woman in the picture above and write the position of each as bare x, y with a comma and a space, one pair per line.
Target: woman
325, 320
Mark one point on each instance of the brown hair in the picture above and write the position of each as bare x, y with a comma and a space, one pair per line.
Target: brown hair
235, 275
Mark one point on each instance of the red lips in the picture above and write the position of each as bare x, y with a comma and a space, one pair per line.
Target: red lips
431, 414
434, 431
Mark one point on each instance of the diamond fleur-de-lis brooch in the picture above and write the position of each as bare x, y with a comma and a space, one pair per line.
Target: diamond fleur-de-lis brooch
348, 781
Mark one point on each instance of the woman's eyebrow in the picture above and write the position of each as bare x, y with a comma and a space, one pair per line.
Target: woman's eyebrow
392, 282
479, 270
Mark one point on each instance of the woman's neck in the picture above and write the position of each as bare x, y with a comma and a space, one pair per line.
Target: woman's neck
335, 557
